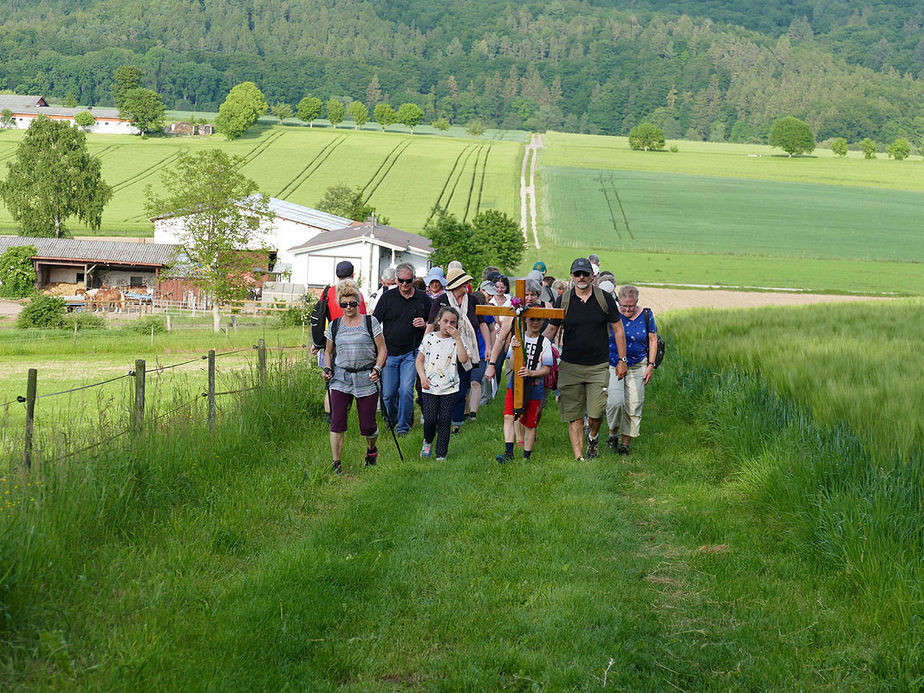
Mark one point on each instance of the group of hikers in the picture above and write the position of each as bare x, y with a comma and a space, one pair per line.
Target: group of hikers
423, 340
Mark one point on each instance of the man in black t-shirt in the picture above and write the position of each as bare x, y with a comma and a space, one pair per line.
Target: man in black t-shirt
583, 372
403, 314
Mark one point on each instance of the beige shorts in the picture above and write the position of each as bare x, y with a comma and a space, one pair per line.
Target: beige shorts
582, 389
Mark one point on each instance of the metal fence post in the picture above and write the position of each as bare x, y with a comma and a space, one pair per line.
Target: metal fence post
139, 396
30, 414
211, 389
261, 363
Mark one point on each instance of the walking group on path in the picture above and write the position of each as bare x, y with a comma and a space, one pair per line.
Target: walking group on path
445, 340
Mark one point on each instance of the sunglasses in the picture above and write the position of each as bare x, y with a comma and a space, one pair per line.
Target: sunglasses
349, 304
406, 281
581, 274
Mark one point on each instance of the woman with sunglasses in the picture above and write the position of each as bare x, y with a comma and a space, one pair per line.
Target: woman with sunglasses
354, 356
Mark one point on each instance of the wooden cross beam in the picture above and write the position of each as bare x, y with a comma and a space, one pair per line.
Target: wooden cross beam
518, 314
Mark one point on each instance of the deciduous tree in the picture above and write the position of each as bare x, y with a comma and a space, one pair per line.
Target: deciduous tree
839, 147
646, 136
281, 111
309, 109
6, 118
900, 149
409, 114
475, 128
85, 119
222, 212
492, 238
335, 112
241, 109
440, 124
125, 77
359, 113
144, 108
344, 201
385, 115
53, 177
868, 147
793, 136
17, 271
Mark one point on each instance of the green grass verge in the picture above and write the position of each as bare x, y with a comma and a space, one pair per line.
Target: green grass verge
744, 544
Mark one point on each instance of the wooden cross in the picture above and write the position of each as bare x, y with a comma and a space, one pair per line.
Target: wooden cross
528, 312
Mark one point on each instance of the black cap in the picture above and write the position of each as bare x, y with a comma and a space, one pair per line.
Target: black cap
582, 264
344, 269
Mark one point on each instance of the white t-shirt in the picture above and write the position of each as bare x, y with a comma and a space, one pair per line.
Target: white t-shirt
441, 359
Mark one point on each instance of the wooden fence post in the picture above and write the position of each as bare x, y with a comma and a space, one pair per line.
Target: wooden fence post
216, 318
211, 389
139, 396
261, 361
169, 323
30, 414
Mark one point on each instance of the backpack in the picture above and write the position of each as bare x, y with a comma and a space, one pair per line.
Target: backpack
319, 316
660, 353
550, 381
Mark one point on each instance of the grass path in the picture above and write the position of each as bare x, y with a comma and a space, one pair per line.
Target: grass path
647, 573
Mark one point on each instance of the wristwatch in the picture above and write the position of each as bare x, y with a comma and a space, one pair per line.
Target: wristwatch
624, 359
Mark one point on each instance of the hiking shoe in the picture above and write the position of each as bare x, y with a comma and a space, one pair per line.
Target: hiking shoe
426, 450
471, 415
440, 459
623, 450
456, 429
613, 442
592, 448
504, 458
372, 456
335, 467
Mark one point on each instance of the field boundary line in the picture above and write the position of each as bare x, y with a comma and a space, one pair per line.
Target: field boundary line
388, 170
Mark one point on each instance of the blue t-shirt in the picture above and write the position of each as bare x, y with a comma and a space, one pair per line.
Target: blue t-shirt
636, 339
488, 320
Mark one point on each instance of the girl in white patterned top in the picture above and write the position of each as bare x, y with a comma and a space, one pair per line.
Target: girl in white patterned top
437, 365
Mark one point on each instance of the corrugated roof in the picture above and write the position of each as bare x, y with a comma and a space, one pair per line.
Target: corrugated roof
384, 235
112, 252
14, 101
307, 215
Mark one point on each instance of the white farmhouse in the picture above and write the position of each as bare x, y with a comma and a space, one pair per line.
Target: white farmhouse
25, 109
370, 246
291, 225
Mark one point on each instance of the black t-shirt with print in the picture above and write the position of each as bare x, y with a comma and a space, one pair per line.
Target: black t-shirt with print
586, 338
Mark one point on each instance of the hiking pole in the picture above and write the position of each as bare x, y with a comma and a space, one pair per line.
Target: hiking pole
388, 423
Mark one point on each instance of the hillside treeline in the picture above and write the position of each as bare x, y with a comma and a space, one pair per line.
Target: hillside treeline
563, 64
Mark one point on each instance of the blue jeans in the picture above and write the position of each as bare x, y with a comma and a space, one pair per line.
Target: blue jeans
398, 379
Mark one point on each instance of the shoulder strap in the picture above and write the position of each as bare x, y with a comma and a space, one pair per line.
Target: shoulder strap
601, 300
334, 326
647, 313
566, 300
537, 356
369, 330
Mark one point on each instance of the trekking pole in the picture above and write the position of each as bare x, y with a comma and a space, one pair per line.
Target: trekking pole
388, 421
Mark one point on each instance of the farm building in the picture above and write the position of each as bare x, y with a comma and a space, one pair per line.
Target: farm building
89, 264
292, 225
25, 109
370, 246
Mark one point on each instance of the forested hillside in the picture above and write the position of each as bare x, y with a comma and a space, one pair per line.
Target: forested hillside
714, 70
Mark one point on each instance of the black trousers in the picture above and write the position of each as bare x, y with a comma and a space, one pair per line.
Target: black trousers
437, 413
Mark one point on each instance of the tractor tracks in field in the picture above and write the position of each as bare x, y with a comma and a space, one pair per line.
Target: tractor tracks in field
528, 192
145, 173
610, 192
457, 173
312, 166
260, 148
381, 173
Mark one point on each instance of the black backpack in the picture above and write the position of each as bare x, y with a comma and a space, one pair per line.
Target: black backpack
660, 353
319, 319
335, 325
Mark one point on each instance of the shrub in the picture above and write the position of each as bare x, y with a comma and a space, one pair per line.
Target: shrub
475, 128
900, 149
42, 311
839, 147
441, 124
144, 325
84, 321
297, 314
868, 147
646, 136
17, 273
675, 148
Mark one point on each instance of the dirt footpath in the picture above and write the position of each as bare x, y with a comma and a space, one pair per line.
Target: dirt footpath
661, 300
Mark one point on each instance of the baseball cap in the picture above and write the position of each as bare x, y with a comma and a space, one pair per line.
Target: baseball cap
540, 266
488, 287
582, 264
344, 269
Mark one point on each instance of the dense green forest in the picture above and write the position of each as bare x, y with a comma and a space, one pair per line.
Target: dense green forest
715, 69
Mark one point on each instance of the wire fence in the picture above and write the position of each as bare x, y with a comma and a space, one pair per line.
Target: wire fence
139, 401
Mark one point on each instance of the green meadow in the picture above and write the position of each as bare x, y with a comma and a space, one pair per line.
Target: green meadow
403, 176
764, 534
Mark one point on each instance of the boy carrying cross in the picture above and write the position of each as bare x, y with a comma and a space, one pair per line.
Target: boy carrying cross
520, 426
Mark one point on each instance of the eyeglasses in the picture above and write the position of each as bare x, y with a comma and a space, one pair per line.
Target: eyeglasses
581, 274
406, 281
628, 306
349, 304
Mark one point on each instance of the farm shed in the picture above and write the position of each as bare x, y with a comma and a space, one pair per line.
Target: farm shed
292, 225
91, 263
25, 109
370, 246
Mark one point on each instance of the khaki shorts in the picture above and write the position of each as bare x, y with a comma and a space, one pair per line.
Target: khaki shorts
582, 389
